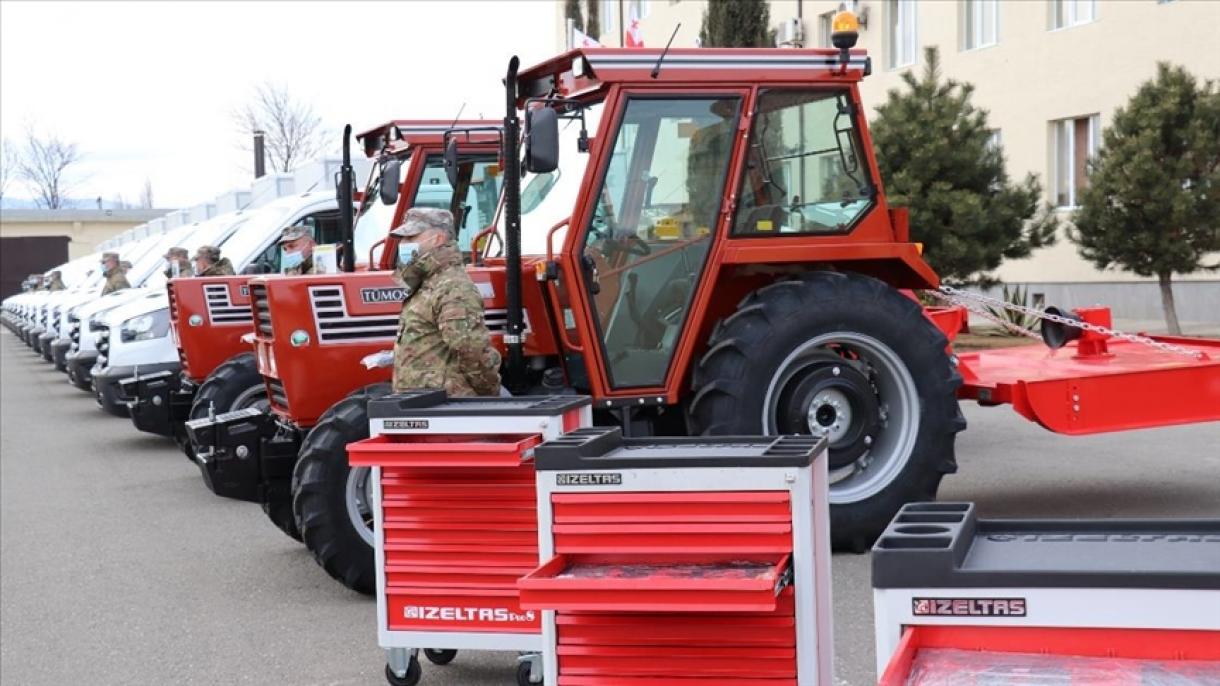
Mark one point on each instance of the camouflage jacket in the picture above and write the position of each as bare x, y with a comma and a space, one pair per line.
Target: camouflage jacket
221, 268
116, 280
442, 339
305, 267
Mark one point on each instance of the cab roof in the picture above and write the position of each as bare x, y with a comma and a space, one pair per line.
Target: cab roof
419, 132
586, 69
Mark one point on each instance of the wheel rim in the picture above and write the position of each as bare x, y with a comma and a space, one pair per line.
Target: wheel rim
897, 403
359, 499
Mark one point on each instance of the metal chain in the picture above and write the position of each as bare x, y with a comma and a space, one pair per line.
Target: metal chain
985, 314
966, 299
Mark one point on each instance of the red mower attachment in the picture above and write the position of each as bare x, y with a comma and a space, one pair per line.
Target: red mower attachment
1099, 380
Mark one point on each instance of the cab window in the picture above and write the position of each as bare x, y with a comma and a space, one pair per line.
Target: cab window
804, 171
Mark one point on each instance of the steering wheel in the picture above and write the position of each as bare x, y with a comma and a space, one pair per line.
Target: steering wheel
636, 245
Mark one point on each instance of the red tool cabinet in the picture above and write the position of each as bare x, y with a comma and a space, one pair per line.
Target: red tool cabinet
682, 561
455, 522
962, 600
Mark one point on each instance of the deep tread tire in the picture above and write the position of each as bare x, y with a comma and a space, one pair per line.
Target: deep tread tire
746, 349
319, 491
225, 385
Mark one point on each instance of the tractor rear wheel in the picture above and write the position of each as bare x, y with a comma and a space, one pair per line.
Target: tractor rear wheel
848, 357
331, 500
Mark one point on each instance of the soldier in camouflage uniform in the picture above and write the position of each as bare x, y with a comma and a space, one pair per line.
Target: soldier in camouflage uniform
442, 339
296, 250
116, 278
180, 257
55, 281
208, 262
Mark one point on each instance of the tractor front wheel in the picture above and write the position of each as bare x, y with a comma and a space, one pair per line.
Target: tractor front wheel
234, 385
331, 500
847, 357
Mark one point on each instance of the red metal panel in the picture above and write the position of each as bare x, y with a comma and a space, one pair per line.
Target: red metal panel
723, 662
667, 537
597, 680
425, 450
608, 508
1134, 387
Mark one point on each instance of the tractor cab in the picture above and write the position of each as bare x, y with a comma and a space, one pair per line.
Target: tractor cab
710, 174
309, 323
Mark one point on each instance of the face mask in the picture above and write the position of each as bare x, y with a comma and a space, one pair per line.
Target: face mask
175, 268
407, 253
290, 260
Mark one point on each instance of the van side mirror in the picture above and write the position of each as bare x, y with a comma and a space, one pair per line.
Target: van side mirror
391, 179
541, 140
451, 162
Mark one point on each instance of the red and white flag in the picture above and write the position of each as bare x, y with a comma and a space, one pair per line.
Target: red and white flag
580, 39
635, 37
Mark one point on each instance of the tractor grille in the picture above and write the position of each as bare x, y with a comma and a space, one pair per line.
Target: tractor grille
173, 302
261, 309
335, 325
276, 392
221, 309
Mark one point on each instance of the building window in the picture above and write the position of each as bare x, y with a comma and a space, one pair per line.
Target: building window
980, 23
1066, 13
1074, 142
903, 29
637, 9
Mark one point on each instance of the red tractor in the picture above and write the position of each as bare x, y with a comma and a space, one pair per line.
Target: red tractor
235, 378
727, 264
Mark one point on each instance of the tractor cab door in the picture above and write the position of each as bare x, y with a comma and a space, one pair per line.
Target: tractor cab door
641, 251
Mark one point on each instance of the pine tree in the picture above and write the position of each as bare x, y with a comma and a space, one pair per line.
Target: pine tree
571, 10
935, 155
1153, 201
593, 25
737, 24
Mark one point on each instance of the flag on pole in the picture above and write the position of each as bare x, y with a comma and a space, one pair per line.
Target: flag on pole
580, 39
635, 37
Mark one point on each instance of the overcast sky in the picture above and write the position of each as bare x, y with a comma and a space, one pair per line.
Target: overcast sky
147, 88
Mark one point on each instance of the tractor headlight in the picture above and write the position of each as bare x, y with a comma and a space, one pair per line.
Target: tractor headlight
146, 326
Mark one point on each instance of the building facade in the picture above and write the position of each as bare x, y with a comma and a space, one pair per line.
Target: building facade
1051, 74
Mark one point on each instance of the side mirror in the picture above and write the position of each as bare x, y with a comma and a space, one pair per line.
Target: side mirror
451, 162
391, 179
541, 140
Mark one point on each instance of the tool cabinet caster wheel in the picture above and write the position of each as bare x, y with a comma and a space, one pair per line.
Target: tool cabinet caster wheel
523, 675
438, 656
413, 674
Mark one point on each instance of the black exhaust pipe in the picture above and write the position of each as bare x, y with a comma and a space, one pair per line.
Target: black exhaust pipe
260, 155
347, 220
514, 372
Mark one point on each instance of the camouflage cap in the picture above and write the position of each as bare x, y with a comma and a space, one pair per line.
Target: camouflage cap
421, 219
208, 252
291, 233
125, 264
110, 256
176, 252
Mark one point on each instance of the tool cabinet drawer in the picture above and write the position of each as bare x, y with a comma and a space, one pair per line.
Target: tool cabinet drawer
426, 450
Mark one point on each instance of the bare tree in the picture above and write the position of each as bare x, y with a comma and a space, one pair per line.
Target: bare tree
8, 165
146, 195
45, 166
293, 131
